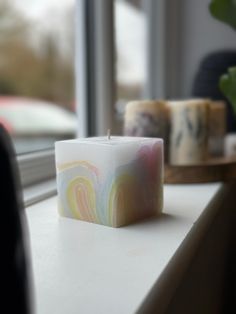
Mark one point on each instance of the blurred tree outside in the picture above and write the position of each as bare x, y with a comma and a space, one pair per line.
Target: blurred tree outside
25, 71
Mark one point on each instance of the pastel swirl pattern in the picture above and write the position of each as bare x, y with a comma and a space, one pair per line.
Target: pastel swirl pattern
124, 200
151, 160
82, 199
129, 192
77, 190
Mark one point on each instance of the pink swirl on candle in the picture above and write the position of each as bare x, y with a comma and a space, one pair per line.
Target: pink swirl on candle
148, 155
151, 159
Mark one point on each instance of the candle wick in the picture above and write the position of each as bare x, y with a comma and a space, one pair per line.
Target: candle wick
109, 134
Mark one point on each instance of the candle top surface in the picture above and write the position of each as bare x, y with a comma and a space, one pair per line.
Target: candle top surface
113, 140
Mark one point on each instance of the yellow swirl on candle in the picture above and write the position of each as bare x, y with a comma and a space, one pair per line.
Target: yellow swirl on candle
80, 163
123, 197
82, 199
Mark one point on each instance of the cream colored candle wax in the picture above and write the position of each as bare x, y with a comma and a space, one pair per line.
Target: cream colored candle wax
217, 127
230, 146
148, 118
189, 120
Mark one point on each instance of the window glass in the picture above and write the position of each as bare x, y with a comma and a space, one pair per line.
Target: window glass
37, 102
130, 41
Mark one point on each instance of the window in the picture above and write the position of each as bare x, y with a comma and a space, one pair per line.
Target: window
37, 102
125, 49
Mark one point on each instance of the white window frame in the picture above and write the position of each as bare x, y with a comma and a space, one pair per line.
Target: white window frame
37, 174
163, 49
95, 84
36, 167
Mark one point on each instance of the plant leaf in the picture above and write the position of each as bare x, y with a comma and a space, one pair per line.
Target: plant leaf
224, 10
228, 86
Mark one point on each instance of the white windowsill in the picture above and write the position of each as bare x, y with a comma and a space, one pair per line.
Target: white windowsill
80, 267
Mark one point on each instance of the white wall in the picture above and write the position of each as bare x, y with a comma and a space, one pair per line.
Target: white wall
200, 34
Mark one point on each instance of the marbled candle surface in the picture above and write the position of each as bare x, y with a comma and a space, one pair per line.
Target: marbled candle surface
217, 128
146, 118
111, 182
189, 120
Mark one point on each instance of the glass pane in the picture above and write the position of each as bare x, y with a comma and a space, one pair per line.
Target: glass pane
130, 40
37, 103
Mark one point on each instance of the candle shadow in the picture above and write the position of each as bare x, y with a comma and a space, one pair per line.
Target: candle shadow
161, 219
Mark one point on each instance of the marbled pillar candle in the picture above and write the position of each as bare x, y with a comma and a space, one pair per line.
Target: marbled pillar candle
217, 127
189, 120
110, 181
148, 118
230, 146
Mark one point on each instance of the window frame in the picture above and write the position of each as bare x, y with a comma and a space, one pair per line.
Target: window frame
95, 83
36, 167
37, 175
163, 52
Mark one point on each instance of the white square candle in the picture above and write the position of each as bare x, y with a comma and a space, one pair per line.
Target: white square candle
110, 181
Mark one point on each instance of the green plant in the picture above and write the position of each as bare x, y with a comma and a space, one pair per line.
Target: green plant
228, 86
225, 11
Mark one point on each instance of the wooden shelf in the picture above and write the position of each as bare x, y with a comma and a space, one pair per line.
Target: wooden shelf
213, 170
